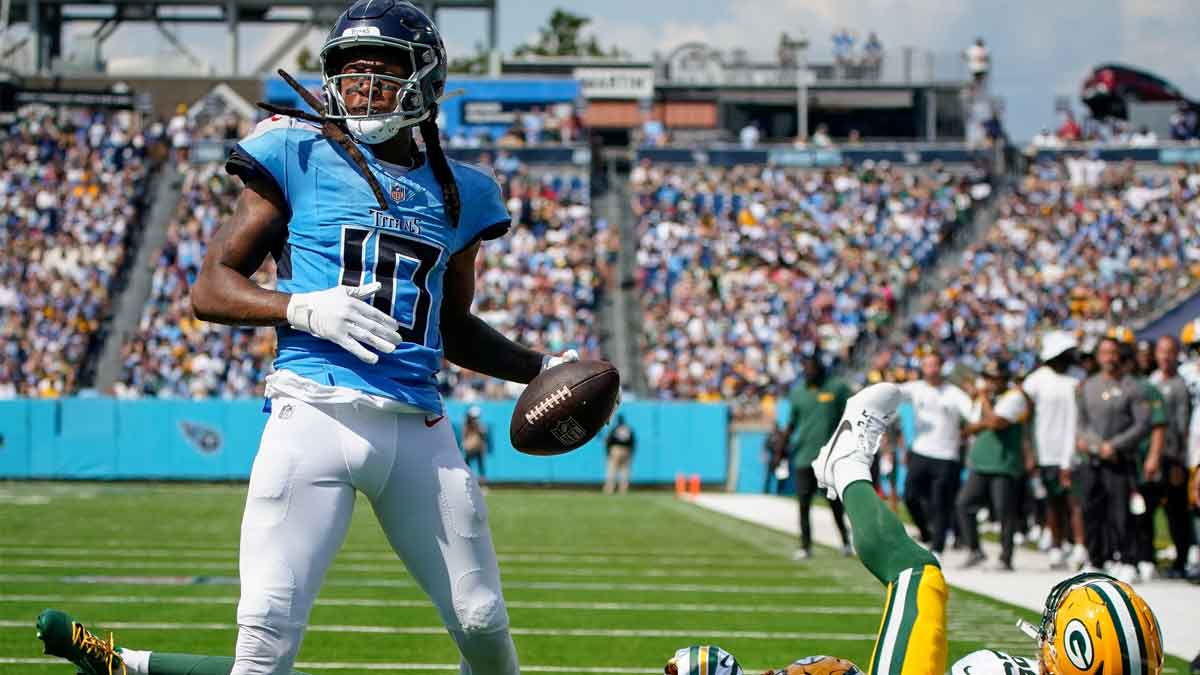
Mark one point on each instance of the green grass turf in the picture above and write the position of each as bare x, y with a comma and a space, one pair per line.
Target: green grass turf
661, 572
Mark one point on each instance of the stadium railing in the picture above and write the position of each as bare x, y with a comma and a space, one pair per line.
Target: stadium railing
172, 439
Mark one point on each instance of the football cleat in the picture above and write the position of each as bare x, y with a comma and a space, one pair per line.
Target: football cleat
66, 638
847, 457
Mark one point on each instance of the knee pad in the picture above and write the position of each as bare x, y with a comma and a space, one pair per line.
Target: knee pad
266, 650
478, 605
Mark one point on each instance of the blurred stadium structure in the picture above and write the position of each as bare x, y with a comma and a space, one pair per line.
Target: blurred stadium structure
672, 214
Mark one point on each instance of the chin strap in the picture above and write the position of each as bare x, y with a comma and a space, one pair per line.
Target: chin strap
331, 129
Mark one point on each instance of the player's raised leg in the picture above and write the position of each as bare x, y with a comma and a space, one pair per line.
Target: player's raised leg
297, 512
434, 515
912, 634
65, 637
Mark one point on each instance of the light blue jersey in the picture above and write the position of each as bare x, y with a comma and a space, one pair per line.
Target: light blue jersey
338, 236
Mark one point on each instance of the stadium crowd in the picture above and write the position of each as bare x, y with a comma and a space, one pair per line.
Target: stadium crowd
1078, 245
542, 283
71, 189
742, 269
172, 354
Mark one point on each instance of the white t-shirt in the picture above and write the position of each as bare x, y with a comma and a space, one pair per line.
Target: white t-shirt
1055, 413
1011, 406
988, 662
977, 59
939, 412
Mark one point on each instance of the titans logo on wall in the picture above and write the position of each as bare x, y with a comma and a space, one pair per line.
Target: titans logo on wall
205, 439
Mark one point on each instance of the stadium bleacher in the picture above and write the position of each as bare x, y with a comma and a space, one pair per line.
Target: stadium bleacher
743, 268
71, 190
1080, 244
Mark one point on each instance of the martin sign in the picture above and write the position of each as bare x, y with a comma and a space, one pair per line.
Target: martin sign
616, 83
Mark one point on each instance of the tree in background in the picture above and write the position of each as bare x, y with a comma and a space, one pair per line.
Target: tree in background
476, 64
563, 36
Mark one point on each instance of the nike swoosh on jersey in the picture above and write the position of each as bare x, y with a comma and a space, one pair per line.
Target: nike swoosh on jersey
431, 423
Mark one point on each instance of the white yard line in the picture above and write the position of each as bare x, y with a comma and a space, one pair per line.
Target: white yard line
532, 632
207, 552
231, 602
187, 580
510, 570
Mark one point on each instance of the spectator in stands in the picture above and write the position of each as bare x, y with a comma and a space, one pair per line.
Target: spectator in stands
1166, 483
1183, 123
821, 138
843, 51
935, 452
1068, 131
996, 461
1051, 391
1113, 419
979, 61
1045, 139
872, 56
817, 403
1144, 138
619, 447
533, 124
749, 135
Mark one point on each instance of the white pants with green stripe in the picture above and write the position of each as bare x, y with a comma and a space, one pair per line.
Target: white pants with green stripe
912, 635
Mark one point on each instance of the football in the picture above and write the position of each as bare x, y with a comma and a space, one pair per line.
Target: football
564, 407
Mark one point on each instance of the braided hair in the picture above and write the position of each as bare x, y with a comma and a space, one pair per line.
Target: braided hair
335, 130
441, 166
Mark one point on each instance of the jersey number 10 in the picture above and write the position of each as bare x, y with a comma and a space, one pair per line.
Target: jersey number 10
403, 266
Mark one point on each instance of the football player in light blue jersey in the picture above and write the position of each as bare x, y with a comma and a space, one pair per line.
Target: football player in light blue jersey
375, 244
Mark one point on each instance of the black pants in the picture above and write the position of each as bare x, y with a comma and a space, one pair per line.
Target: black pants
1104, 489
806, 487
1169, 492
477, 460
929, 491
1001, 492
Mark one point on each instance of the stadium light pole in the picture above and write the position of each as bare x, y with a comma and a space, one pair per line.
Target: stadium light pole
800, 46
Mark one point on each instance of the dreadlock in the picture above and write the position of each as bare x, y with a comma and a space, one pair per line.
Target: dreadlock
334, 130
441, 166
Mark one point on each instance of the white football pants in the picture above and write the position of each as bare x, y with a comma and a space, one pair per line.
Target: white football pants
312, 459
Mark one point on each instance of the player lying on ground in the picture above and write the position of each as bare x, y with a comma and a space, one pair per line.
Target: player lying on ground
1091, 623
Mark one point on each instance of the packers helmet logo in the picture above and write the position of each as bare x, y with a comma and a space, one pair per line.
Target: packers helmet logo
1078, 645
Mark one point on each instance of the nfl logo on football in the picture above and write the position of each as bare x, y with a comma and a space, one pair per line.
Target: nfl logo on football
568, 431
399, 194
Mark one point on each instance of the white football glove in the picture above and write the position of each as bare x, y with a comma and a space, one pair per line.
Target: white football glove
549, 361
340, 315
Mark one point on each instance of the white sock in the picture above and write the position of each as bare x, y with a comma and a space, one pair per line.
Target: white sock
137, 663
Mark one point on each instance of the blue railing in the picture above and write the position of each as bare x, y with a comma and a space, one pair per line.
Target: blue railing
106, 439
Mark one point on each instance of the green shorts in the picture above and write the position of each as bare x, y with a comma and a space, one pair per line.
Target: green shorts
1051, 481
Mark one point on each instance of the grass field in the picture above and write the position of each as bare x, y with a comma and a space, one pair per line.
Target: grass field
594, 584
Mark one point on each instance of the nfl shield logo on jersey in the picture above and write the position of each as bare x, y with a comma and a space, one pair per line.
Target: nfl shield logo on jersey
568, 431
399, 194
